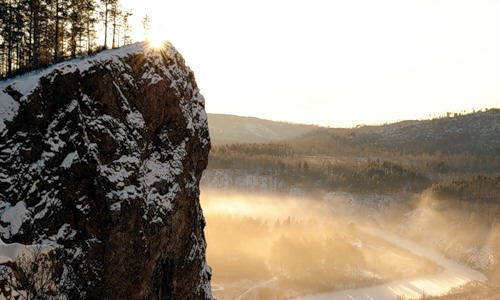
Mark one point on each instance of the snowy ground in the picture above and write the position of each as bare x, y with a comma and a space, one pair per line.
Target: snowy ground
452, 276
9, 252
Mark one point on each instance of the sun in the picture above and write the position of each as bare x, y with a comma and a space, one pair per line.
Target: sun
156, 39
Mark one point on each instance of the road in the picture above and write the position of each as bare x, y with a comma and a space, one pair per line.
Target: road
453, 275
248, 291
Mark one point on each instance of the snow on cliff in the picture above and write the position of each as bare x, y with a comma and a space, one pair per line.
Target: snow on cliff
101, 157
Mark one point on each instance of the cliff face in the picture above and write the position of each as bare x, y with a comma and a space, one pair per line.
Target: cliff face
101, 158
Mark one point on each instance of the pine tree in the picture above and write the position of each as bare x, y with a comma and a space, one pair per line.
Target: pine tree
57, 31
34, 8
116, 14
19, 34
77, 24
105, 14
90, 21
7, 18
3, 42
47, 32
127, 29
146, 26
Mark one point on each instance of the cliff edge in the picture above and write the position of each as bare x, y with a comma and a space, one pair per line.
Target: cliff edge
100, 160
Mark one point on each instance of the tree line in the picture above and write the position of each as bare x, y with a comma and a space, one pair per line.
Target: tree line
350, 168
37, 33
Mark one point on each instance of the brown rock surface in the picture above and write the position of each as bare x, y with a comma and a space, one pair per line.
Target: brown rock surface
101, 157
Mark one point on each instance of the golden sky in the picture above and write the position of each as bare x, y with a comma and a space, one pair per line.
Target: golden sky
335, 63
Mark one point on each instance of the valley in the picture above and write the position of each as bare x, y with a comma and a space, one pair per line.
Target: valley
312, 214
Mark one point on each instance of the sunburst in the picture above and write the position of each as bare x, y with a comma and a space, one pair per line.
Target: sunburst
156, 39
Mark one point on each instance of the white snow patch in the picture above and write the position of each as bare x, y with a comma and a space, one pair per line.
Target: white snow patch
152, 76
83, 208
69, 159
163, 202
9, 252
126, 193
15, 217
136, 119
8, 109
156, 171
117, 206
64, 232
71, 106
223, 178
115, 174
128, 159
6, 178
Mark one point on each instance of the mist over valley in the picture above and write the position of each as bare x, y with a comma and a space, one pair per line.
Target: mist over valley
397, 211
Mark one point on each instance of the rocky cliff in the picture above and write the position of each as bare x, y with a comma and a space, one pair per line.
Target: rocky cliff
101, 158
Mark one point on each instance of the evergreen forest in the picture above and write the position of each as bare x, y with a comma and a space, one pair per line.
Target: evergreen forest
37, 33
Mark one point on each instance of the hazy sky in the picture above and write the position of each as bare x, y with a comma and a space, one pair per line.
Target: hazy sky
336, 63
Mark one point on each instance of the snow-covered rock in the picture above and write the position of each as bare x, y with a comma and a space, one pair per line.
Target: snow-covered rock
101, 157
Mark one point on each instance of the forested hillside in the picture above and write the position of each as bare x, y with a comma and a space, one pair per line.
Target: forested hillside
37, 33
409, 156
469, 133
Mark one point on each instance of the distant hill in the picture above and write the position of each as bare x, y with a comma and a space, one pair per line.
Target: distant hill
477, 133
228, 129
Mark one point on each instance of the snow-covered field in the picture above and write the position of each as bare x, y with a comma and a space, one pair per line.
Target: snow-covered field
453, 275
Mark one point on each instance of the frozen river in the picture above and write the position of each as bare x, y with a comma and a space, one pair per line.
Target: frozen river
453, 275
